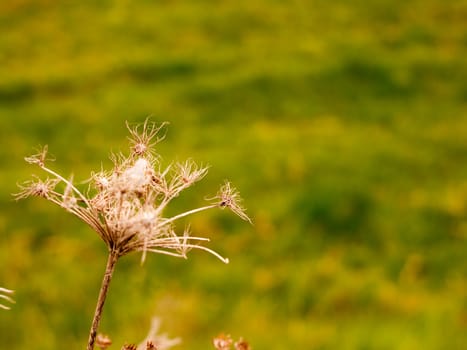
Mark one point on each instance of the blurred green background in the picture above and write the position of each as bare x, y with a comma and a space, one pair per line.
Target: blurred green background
342, 123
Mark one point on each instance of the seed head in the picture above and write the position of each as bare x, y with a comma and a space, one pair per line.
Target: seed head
103, 341
222, 342
40, 157
143, 141
37, 187
229, 197
125, 205
242, 345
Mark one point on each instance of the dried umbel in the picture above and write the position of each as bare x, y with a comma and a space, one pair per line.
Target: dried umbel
125, 205
5, 295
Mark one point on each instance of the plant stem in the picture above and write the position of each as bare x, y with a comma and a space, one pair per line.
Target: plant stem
111, 261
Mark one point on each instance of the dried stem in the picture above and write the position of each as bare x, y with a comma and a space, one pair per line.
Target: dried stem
111, 261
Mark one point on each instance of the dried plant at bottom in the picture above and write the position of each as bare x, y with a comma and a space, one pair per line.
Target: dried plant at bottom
154, 340
225, 342
125, 205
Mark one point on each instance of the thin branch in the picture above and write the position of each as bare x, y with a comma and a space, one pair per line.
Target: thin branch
176, 217
78, 192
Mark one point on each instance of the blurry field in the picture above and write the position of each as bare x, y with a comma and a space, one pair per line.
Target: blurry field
342, 123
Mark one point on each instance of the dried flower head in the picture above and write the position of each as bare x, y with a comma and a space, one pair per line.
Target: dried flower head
5, 295
37, 187
144, 138
40, 157
242, 345
222, 342
103, 341
125, 205
228, 197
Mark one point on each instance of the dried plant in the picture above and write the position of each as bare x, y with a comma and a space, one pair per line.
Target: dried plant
225, 342
5, 295
242, 344
222, 342
153, 340
103, 341
125, 205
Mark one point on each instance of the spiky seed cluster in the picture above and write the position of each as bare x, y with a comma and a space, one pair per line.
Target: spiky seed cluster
125, 205
5, 294
144, 138
229, 197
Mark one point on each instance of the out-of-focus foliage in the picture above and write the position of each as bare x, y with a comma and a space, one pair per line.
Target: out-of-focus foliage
342, 123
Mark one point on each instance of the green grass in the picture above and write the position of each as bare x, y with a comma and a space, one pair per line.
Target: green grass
343, 124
